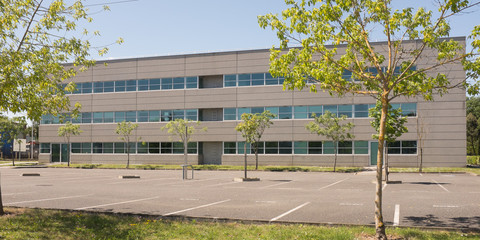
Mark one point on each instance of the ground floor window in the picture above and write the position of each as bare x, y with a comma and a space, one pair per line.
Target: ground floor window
298, 147
402, 147
120, 148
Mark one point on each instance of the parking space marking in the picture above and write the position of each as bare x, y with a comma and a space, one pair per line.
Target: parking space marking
445, 206
440, 185
123, 181
337, 182
117, 203
48, 199
10, 194
273, 185
384, 186
193, 208
220, 184
351, 204
396, 216
288, 212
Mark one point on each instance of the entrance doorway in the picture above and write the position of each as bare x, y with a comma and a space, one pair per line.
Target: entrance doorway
373, 153
60, 152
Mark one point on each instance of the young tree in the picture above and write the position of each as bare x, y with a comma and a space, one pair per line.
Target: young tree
67, 131
395, 127
183, 129
247, 129
385, 73
38, 39
330, 126
125, 129
422, 130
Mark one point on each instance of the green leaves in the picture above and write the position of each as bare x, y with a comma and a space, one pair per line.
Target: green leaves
253, 125
124, 129
69, 130
395, 122
183, 129
330, 126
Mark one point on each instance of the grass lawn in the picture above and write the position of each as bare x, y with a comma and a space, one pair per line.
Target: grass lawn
52, 224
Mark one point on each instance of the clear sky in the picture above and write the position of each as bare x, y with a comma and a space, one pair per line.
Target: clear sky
161, 27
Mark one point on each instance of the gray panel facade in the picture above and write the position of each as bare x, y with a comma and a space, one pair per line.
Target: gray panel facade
442, 120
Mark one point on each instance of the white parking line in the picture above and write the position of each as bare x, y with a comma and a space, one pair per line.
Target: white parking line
48, 199
286, 213
384, 186
396, 216
337, 182
117, 203
202, 206
273, 185
220, 184
440, 185
351, 204
445, 206
10, 194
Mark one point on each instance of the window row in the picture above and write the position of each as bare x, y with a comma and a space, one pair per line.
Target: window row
136, 85
121, 147
326, 147
130, 116
251, 79
304, 112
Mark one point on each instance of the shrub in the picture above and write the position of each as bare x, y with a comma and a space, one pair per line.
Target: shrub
473, 160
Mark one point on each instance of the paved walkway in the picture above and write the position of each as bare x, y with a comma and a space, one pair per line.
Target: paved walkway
436, 200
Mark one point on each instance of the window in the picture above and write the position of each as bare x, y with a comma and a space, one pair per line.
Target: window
270, 80
345, 147
314, 147
256, 110
258, 79
154, 116
241, 148
167, 115
108, 117
317, 110
273, 110
394, 147
166, 148
120, 86
271, 147
86, 147
86, 117
347, 75
191, 114
154, 147
132, 147
192, 82
244, 79
192, 147
108, 86
361, 147
131, 116
119, 147
108, 147
330, 108
285, 147
328, 147
44, 147
178, 83
142, 116
285, 112
142, 147
97, 147
178, 148
300, 112
142, 85
87, 87
361, 111
76, 148
98, 87
154, 84
230, 80
345, 110
260, 146
167, 83
47, 119
78, 88
98, 117
409, 147
131, 86
229, 114
242, 111
119, 117
300, 147
178, 114
229, 147
409, 109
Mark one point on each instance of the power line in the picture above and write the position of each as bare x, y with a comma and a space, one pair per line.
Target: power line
110, 3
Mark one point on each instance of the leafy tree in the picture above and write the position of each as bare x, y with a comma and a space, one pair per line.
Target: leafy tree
125, 129
422, 130
386, 72
473, 133
256, 124
330, 126
67, 131
395, 127
37, 39
473, 106
183, 129
12, 129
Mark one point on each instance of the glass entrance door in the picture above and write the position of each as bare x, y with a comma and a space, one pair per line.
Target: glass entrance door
59, 152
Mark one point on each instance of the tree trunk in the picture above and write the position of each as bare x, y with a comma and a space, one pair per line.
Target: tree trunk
379, 224
185, 153
128, 154
69, 153
335, 160
245, 159
386, 164
2, 212
256, 156
420, 169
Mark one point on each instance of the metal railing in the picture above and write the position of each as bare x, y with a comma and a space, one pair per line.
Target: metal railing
185, 171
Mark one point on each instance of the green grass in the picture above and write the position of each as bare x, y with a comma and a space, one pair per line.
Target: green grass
437, 170
53, 224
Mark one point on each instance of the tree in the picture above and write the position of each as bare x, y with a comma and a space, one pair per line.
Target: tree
183, 129
37, 40
473, 132
395, 127
125, 129
252, 128
12, 129
385, 73
67, 131
330, 126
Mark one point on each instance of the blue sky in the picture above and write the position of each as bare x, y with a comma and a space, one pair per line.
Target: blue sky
160, 27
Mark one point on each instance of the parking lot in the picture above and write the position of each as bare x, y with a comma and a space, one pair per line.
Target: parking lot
436, 200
